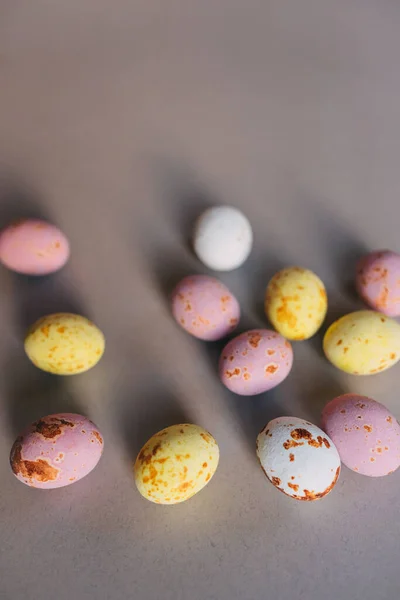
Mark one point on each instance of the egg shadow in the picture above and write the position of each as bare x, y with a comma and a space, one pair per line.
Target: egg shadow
314, 400
155, 407
30, 392
184, 197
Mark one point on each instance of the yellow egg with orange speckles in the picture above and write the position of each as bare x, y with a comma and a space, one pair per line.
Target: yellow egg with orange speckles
296, 303
64, 344
176, 463
364, 342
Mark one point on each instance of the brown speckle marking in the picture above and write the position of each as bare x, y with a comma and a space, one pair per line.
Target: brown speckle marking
208, 477
271, 369
45, 330
98, 437
392, 356
53, 429
276, 481
368, 428
298, 434
345, 350
339, 342
254, 339
233, 321
293, 486
206, 438
233, 373
40, 470
389, 419
291, 457
247, 376
61, 329
343, 411
270, 352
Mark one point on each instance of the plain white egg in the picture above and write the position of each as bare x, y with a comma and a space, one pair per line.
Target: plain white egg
223, 238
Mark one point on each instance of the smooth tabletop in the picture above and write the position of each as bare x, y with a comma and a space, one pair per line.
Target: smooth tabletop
120, 121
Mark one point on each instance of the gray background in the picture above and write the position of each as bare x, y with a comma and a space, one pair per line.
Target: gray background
119, 121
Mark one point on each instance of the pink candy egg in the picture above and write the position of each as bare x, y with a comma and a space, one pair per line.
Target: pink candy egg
365, 434
33, 247
378, 281
56, 451
255, 361
205, 308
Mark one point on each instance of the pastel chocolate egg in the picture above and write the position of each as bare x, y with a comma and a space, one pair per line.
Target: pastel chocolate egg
365, 433
64, 344
222, 238
378, 281
56, 451
296, 303
298, 458
363, 343
255, 361
205, 308
176, 463
33, 247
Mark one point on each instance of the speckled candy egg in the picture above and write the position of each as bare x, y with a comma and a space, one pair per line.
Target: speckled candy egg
255, 361
298, 458
33, 247
222, 238
363, 343
205, 308
64, 344
56, 451
366, 435
176, 463
378, 281
296, 303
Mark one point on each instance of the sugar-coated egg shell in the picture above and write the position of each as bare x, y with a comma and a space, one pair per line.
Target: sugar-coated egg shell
296, 303
222, 238
205, 307
64, 344
365, 433
255, 362
56, 451
298, 458
378, 281
176, 463
33, 247
363, 343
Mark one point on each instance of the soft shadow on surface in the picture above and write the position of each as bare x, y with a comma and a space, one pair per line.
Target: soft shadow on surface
138, 421
30, 392
183, 196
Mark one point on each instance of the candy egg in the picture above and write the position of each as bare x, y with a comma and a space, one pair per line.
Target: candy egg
33, 247
378, 281
365, 433
222, 238
64, 344
363, 343
298, 458
56, 451
296, 303
205, 308
176, 463
255, 361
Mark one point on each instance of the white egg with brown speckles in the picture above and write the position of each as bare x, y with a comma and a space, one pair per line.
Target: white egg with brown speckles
298, 458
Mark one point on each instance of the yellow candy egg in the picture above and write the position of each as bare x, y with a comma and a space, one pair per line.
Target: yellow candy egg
176, 463
296, 303
363, 343
64, 344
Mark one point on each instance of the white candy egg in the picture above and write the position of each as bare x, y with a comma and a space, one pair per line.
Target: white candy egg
223, 238
298, 458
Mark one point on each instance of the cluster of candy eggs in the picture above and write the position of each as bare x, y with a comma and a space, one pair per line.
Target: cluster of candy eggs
299, 458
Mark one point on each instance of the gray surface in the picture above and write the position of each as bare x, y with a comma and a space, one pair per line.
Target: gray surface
119, 121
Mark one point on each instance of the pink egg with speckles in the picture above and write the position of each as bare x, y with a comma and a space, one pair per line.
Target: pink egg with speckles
205, 308
365, 433
255, 361
378, 281
33, 247
56, 451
